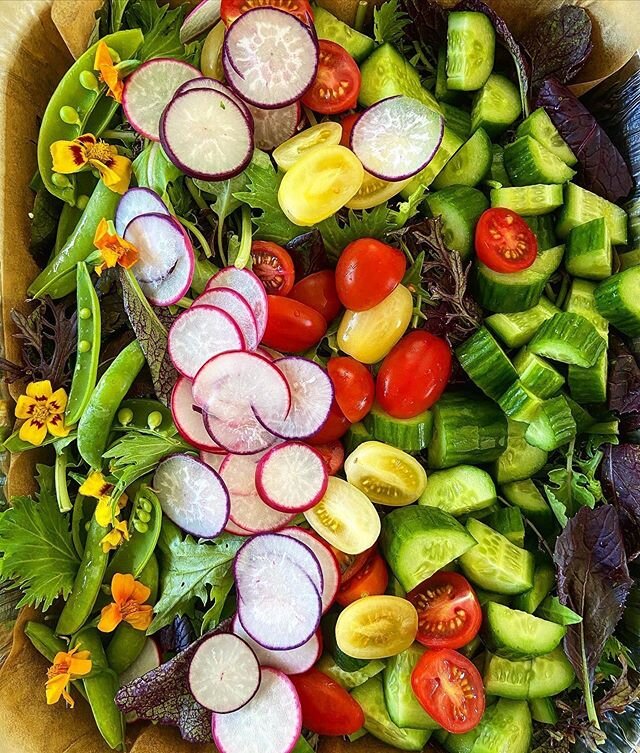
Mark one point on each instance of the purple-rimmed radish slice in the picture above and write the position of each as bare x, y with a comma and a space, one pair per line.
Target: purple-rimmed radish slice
238, 309
397, 137
241, 434
137, 201
199, 334
224, 673
149, 89
327, 560
292, 662
202, 18
188, 420
245, 282
192, 495
236, 530
213, 459
273, 127
269, 353
270, 723
270, 57
206, 134
291, 477
218, 86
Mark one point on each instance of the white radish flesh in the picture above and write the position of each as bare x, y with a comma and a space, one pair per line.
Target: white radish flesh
202, 18
291, 477
212, 83
273, 127
137, 201
243, 434
292, 662
213, 459
188, 420
238, 309
245, 282
327, 560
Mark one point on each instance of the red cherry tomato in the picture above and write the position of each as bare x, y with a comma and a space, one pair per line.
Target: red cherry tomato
230, 10
351, 564
371, 580
336, 426
347, 123
337, 81
367, 271
274, 266
318, 290
504, 241
327, 708
449, 613
414, 374
449, 688
292, 327
353, 386
333, 455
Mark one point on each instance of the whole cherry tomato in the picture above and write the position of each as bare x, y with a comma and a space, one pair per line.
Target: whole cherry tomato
337, 83
336, 426
333, 455
318, 290
353, 386
371, 580
367, 272
274, 266
327, 708
504, 241
292, 327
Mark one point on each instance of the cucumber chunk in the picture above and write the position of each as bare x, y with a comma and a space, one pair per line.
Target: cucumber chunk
460, 490
403, 706
520, 460
469, 164
569, 338
543, 710
589, 252
486, 364
525, 495
543, 228
349, 680
357, 435
582, 300
457, 119
497, 171
534, 200
544, 579
589, 385
460, 208
496, 106
358, 45
459, 743
442, 91
449, 145
539, 126
550, 674
408, 434
505, 728
553, 426
540, 677
484, 597
618, 301
519, 403
581, 205
516, 329
528, 162
514, 635
509, 522
471, 42
537, 375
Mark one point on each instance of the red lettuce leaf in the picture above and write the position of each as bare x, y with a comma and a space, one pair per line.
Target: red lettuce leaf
620, 477
624, 379
428, 21
308, 253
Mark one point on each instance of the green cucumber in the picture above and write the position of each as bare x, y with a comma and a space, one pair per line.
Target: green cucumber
581, 205
525, 495
544, 229
471, 42
356, 435
543, 710
460, 490
519, 403
584, 420
449, 145
553, 426
509, 522
517, 328
515, 635
582, 300
520, 460
629, 259
456, 119
544, 579
460, 208
537, 375
505, 728
569, 338
529, 200
469, 164
541, 677
484, 597
539, 126
618, 300
358, 45
418, 541
550, 674
442, 91
408, 434
497, 171
589, 385
462, 743
588, 252
349, 680
486, 364
528, 163
496, 106
552, 609
403, 706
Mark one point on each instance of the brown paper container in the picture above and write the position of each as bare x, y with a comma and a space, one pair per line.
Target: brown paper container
33, 58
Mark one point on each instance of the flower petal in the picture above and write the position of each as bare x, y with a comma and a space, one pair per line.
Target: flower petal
79, 666
140, 592
33, 431
41, 391
103, 513
122, 587
58, 401
25, 406
140, 619
55, 687
117, 175
68, 156
56, 426
110, 618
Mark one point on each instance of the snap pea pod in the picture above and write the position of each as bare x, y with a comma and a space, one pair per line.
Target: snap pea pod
60, 480
71, 106
69, 218
85, 372
144, 414
47, 643
95, 423
79, 524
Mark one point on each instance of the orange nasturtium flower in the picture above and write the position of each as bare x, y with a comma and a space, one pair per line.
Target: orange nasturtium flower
87, 151
113, 249
128, 604
95, 485
104, 63
67, 666
43, 410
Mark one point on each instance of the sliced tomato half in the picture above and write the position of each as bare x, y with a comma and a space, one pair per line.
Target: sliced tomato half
371, 580
337, 83
504, 241
230, 10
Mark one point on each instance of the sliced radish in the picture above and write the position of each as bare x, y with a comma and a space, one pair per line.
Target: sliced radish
235, 529
238, 309
243, 434
202, 18
270, 57
199, 334
149, 89
327, 560
291, 477
397, 137
192, 495
245, 282
187, 419
270, 723
137, 201
212, 83
224, 673
148, 659
213, 459
269, 353
292, 662
273, 127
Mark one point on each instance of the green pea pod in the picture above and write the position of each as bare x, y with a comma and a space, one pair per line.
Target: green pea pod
127, 642
71, 107
79, 523
95, 424
144, 414
86, 586
69, 218
60, 480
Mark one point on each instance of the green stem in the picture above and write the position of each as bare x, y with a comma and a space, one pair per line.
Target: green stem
200, 202
311, 117
184, 303
126, 136
361, 15
246, 236
201, 239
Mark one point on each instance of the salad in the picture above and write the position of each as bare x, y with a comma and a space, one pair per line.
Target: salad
334, 353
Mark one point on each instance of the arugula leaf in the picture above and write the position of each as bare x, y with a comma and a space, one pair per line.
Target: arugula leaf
161, 28
337, 234
389, 21
574, 485
36, 545
621, 482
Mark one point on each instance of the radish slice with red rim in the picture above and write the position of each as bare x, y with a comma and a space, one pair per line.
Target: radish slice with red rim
149, 89
269, 353
270, 57
273, 127
270, 723
238, 309
224, 673
187, 419
243, 434
245, 282
199, 334
137, 201
192, 495
397, 137
206, 134
236, 530
213, 459
291, 477
212, 83
202, 18
327, 560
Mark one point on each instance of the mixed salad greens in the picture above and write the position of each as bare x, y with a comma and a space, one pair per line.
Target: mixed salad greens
335, 344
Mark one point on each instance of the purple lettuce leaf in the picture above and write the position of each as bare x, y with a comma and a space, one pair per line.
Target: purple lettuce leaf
308, 253
620, 477
428, 21
624, 379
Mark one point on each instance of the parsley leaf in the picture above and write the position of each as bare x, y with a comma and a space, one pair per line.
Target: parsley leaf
389, 22
337, 234
574, 485
36, 546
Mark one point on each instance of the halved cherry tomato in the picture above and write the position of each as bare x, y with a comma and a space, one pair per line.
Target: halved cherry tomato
336, 426
318, 290
230, 10
292, 327
504, 241
351, 564
353, 386
371, 580
367, 272
333, 455
414, 374
337, 83
347, 123
327, 708
449, 613
274, 266
450, 689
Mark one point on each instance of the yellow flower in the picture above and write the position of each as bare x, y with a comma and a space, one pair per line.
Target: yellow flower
108, 72
115, 537
87, 151
97, 486
113, 249
66, 666
128, 605
43, 410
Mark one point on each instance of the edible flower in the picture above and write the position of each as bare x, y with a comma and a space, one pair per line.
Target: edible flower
113, 249
118, 533
87, 151
95, 485
67, 666
129, 596
43, 410
109, 75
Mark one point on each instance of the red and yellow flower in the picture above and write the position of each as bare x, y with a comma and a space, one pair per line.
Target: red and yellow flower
119, 532
95, 485
113, 249
67, 666
129, 597
43, 411
86, 151
109, 74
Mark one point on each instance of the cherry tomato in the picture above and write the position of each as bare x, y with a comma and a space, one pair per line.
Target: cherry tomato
336, 426
504, 241
347, 122
327, 708
353, 386
333, 455
449, 613
230, 10
449, 688
414, 374
322, 134
371, 580
292, 327
337, 83
374, 191
367, 272
274, 266
318, 290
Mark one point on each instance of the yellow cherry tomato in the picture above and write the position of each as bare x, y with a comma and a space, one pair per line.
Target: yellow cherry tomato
211, 57
374, 191
322, 134
375, 627
369, 335
319, 184
385, 474
345, 518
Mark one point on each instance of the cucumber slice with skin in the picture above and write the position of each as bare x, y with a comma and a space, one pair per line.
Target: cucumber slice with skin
519, 403
589, 385
469, 164
618, 301
525, 495
515, 635
358, 45
516, 329
581, 205
588, 251
629, 259
506, 729
551, 674
582, 300
520, 460
553, 426
496, 106
460, 490
459, 743
544, 579
357, 435
569, 338
484, 597
460, 208
498, 171
539, 126
509, 522
457, 119
471, 42
537, 375
442, 91
529, 200
584, 420
449, 145
528, 163
543, 710
543, 228
486, 364
403, 706
541, 677
408, 434
349, 680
